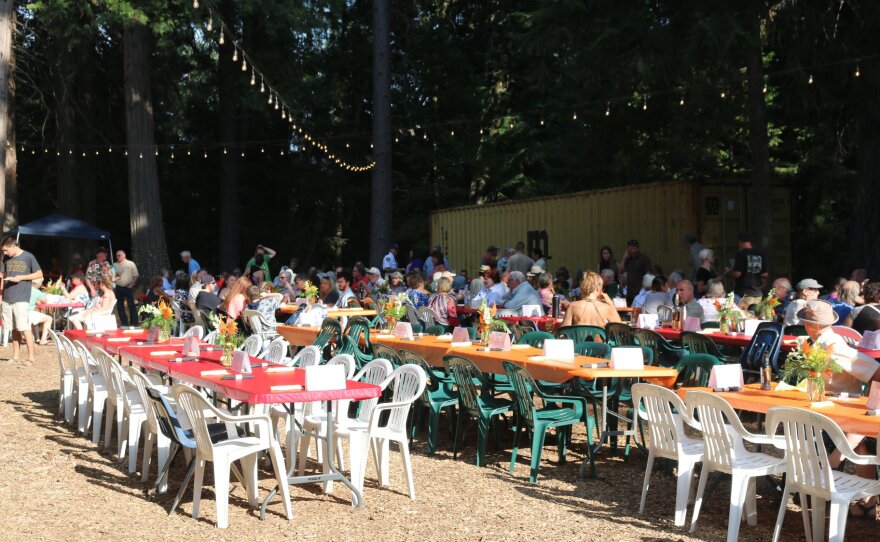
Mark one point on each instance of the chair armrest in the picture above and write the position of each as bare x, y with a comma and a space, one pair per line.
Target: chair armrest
562, 398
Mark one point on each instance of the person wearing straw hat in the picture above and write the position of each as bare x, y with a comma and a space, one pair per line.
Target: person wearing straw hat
818, 316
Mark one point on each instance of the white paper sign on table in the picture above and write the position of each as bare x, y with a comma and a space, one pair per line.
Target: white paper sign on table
403, 330
532, 310
460, 335
325, 377
729, 375
191, 346
647, 321
559, 349
874, 396
241, 362
627, 358
301, 301
499, 340
619, 302
751, 325
691, 323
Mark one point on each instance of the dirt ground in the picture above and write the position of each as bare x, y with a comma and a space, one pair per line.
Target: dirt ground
55, 485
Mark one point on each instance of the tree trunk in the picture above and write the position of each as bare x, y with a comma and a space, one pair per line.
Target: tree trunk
864, 250
380, 209
65, 161
761, 205
145, 205
230, 224
8, 197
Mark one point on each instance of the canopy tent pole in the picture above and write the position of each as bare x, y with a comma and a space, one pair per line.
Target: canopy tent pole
110, 242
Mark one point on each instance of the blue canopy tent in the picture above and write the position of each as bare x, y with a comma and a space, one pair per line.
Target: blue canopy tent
56, 225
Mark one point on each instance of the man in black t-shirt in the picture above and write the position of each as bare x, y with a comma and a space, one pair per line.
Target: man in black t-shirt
20, 269
749, 272
635, 265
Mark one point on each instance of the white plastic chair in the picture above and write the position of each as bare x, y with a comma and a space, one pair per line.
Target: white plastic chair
723, 436
182, 324
80, 386
808, 471
105, 321
246, 449
258, 324
851, 336
195, 331
211, 337
307, 357
66, 372
374, 372
276, 352
428, 315
153, 435
253, 345
408, 382
125, 402
315, 419
98, 392
667, 439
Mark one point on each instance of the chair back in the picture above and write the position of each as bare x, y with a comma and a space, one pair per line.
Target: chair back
141, 384
851, 336
666, 428
211, 337
277, 351
358, 331
807, 467
253, 345
528, 325
582, 333
330, 330
195, 407
664, 313
384, 351
412, 315
353, 303
767, 338
346, 346
697, 343
649, 338
523, 384
535, 338
428, 316
374, 372
694, 370
620, 334
167, 420
179, 311
195, 331
307, 357
435, 330
105, 370
64, 362
593, 349
83, 359
408, 382
436, 376
464, 372
721, 428
347, 361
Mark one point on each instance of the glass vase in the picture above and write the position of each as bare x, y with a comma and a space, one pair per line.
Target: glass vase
226, 356
484, 335
815, 389
390, 324
164, 334
724, 325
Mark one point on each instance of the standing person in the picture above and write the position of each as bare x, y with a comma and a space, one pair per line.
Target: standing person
749, 272
501, 267
694, 259
607, 261
389, 262
635, 265
490, 258
260, 260
125, 279
416, 262
21, 269
706, 270
192, 266
519, 261
97, 269
538, 258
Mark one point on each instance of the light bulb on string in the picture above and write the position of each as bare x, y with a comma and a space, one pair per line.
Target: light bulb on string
283, 114
70, 153
172, 155
84, 154
481, 131
765, 88
195, 4
858, 71
262, 150
235, 54
141, 155
810, 80
452, 133
243, 65
224, 150
681, 101
276, 105
608, 109
110, 149
204, 154
253, 77
645, 103
270, 99
221, 41
723, 94
188, 152
210, 24
262, 85
242, 154
346, 146
157, 152
574, 116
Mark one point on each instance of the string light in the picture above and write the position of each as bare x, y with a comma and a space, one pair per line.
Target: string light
235, 54
195, 4
810, 80
681, 101
608, 109
858, 71
765, 88
723, 94
541, 122
221, 35
645, 103
262, 86
210, 23
253, 77
244, 65
574, 116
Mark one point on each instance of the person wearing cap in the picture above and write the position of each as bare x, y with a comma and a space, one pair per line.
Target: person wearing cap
866, 317
807, 290
191, 264
634, 266
533, 274
375, 282
389, 262
125, 277
749, 272
521, 292
97, 268
208, 300
519, 261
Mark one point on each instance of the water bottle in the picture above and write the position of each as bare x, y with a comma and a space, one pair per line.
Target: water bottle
766, 374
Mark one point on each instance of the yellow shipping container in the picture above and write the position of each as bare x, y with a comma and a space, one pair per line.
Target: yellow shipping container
571, 228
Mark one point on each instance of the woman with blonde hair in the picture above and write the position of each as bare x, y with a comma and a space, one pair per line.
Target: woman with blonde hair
104, 306
236, 299
594, 308
443, 303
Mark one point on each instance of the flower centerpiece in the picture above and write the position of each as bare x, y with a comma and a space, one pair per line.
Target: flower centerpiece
489, 323
228, 338
393, 310
310, 292
813, 363
767, 307
160, 316
726, 313
55, 288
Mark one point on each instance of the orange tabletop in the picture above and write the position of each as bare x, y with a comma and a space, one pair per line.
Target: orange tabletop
848, 413
299, 335
433, 351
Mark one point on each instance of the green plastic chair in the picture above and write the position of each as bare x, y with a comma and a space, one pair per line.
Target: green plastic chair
471, 404
439, 394
517, 331
619, 334
535, 338
696, 343
665, 353
581, 334
358, 330
382, 351
561, 413
346, 346
435, 330
694, 370
330, 332
797, 330
377, 321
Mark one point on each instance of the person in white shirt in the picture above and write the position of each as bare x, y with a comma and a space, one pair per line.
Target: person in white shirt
647, 281
808, 290
389, 262
343, 283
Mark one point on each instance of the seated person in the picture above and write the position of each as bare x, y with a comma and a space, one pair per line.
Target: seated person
546, 291
182, 295
207, 300
156, 291
659, 295
375, 282
343, 284
443, 303
808, 290
235, 298
714, 292
647, 282
107, 300
78, 291
866, 317
609, 285
327, 288
493, 290
595, 308
847, 297
285, 285
395, 283
35, 317
265, 303
521, 292
685, 290
416, 293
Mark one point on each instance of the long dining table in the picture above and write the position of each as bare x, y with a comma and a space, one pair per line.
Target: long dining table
727, 339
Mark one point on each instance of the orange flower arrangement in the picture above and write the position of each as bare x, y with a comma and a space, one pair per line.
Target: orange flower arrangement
160, 315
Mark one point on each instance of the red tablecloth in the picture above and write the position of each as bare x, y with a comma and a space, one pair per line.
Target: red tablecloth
540, 321
740, 339
257, 390
68, 305
110, 340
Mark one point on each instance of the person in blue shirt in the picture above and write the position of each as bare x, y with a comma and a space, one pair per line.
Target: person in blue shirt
521, 292
192, 265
